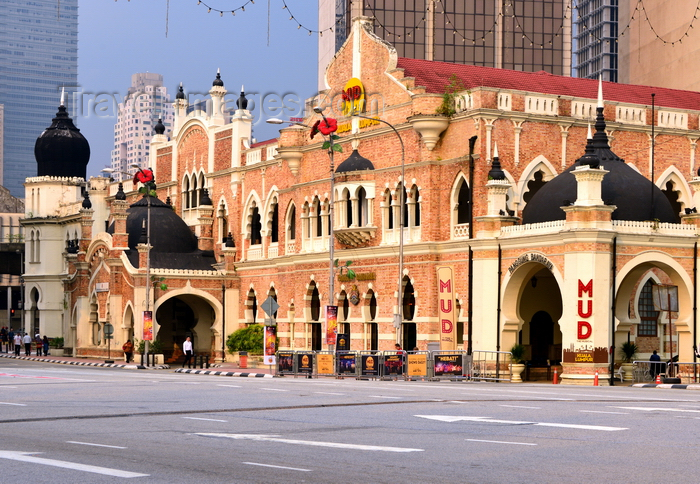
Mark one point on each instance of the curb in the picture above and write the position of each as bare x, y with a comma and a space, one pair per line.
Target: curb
669, 386
84, 363
224, 373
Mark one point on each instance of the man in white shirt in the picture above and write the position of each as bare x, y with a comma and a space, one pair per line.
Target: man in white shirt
18, 343
187, 348
27, 344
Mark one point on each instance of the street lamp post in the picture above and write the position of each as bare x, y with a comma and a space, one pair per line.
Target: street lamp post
398, 317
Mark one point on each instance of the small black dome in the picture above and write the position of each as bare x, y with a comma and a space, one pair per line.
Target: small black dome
120, 195
636, 198
355, 162
180, 93
61, 150
205, 198
218, 82
87, 204
159, 128
496, 172
242, 102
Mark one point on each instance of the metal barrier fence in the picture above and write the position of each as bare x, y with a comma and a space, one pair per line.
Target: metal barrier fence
391, 365
646, 371
490, 366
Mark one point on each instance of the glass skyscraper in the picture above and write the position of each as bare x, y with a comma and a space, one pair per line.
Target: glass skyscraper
38, 55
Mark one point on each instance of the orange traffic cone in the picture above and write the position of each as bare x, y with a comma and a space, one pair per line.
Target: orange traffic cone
556, 377
658, 378
595, 379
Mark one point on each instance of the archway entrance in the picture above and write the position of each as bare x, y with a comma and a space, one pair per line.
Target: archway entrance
182, 316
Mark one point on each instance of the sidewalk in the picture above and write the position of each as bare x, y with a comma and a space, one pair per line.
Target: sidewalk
221, 369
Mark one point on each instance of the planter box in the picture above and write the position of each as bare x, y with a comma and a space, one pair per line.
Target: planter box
160, 359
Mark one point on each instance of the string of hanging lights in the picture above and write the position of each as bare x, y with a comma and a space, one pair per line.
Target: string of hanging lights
406, 33
300, 26
211, 9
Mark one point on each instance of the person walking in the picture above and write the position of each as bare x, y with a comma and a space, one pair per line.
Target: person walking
18, 343
654, 368
39, 343
11, 340
187, 349
27, 344
128, 349
45, 345
3, 337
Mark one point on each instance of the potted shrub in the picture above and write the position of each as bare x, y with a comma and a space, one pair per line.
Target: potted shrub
628, 352
246, 341
155, 347
517, 355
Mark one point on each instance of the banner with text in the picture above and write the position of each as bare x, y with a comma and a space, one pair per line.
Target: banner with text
447, 309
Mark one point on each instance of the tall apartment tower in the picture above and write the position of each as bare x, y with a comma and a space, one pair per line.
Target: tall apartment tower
146, 101
595, 39
38, 55
527, 35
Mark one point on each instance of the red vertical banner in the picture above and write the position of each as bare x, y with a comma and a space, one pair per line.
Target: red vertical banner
148, 325
270, 345
447, 312
331, 324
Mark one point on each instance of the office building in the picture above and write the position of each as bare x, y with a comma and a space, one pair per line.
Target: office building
595, 39
528, 35
38, 55
145, 102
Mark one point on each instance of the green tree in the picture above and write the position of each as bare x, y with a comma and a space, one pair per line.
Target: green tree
248, 339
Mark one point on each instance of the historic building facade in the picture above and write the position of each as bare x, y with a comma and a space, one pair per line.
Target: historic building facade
549, 237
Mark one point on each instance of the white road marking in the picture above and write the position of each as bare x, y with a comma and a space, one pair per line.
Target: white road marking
519, 406
27, 457
16, 404
457, 418
276, 467
600, 411
329, 393
274, 389
94, 445
7, 386
382, 396
207, 419
335, 445
659, 409
230, 386
499, 442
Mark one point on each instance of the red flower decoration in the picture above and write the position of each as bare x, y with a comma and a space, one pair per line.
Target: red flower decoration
144, 176
328, 126
314, 129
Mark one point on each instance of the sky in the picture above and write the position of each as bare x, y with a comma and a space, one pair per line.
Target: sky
119, 38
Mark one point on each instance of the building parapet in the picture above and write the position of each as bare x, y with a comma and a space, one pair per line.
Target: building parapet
182, 272
533, 229
72, 180
637, 227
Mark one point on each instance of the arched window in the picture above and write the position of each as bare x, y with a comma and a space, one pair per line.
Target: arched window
372, 327
362, 216
348, 208
318, 220
194, 193
186, 193
273, 294
292, 222
251, 307
409, 300
255, 225
274, 223
314, 324
388, 210
315, 302
534, 185
222, 216
463, 203
648, 318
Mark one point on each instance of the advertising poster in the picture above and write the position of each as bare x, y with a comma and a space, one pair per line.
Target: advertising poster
417, 365
270, 344
324, 364
447, 307
342, 343
347, 364
305, 362
448, 365
369, 365
148, 325
331, 324
393, 365
286, 362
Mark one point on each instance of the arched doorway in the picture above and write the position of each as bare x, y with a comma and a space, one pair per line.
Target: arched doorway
182, 316
410, 332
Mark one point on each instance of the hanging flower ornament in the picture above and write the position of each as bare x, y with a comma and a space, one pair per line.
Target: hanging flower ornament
328, 126
314, 129
148, 180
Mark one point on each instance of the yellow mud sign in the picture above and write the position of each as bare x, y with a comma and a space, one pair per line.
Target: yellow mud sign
353, 97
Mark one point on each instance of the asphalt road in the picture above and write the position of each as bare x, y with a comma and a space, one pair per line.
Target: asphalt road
97, 425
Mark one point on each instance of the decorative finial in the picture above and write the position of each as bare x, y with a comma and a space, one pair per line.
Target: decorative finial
590, 134
600, 91
63, 96
495, 150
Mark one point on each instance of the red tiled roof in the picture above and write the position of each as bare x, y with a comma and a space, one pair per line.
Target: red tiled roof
263, 143
435, 76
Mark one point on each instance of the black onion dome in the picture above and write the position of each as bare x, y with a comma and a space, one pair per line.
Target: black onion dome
61, 150
159, 128
87, 204
242, 102
180, 93
355, 162
496, 172
636, 198
174, 246
205, 198
218, 82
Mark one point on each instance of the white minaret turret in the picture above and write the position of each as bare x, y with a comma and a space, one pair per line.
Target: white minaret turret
217, 93
180, 106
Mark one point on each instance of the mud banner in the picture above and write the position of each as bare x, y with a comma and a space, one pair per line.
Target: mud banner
305, 363
270, 344
417, 365
331, 324
347, 364
369, 365
448, 365
447, 309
